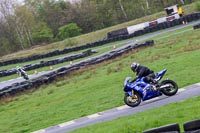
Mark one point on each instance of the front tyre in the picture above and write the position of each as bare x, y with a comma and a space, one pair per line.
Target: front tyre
169, 87
132, 101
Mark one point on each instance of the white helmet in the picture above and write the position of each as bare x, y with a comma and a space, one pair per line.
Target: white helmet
134, 66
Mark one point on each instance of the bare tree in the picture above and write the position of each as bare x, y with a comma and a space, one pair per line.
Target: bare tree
122, 9
147, 3
19, 19
25, 20
7, 10
182, 1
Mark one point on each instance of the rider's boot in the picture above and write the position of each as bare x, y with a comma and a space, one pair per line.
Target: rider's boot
155, 85
154, 88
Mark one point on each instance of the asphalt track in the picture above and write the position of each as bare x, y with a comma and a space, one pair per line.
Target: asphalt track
183, 94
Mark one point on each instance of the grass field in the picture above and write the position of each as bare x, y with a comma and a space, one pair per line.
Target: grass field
99, 88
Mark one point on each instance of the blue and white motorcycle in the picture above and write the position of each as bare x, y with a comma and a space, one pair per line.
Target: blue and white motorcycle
139, 90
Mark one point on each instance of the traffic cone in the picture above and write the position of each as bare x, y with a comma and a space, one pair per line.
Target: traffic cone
36, 72
51, 67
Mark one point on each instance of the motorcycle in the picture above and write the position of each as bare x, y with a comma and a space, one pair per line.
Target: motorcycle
22, 73
139, 90
25, 76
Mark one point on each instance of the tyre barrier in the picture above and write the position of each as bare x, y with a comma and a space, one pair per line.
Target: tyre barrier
63, 71
119, 32
113, 36
172, 128
192, 126
159, 26
29, 67
57, 52
197, 26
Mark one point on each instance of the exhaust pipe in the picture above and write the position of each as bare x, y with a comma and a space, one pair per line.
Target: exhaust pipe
164, 86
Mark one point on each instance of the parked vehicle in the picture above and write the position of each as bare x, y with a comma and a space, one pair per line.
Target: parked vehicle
139, 90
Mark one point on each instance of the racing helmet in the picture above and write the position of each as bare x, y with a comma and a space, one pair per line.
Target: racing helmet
134, 66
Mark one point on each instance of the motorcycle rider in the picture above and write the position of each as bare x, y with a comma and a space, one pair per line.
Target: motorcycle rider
20, 71
143, 71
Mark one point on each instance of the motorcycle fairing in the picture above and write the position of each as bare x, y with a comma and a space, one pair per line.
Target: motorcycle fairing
144, 89
160, 74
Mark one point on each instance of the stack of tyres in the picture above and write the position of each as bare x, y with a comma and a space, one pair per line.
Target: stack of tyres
117, 33
172, 128
192, 126
197, 26
51, 76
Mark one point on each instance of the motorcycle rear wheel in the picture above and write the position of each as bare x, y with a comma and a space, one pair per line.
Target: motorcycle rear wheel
171, 90
132, 101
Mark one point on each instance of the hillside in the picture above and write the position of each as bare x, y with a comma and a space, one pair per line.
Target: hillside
87, 38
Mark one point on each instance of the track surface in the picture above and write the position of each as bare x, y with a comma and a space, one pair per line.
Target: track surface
183, 94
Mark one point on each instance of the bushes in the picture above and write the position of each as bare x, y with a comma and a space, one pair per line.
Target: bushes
41, 33
69, 30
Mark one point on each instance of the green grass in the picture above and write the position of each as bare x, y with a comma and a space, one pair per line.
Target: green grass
99, 87
168, 114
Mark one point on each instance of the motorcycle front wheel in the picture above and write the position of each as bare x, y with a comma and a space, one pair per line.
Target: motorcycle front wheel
132, 101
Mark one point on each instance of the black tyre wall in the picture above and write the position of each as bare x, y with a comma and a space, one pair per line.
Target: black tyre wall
51, 76
168, 128
116, 33
192, 125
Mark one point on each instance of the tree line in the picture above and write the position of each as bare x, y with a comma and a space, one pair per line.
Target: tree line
23, 25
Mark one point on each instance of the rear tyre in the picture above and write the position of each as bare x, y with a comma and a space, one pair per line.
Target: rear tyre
170, 89
132, 101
